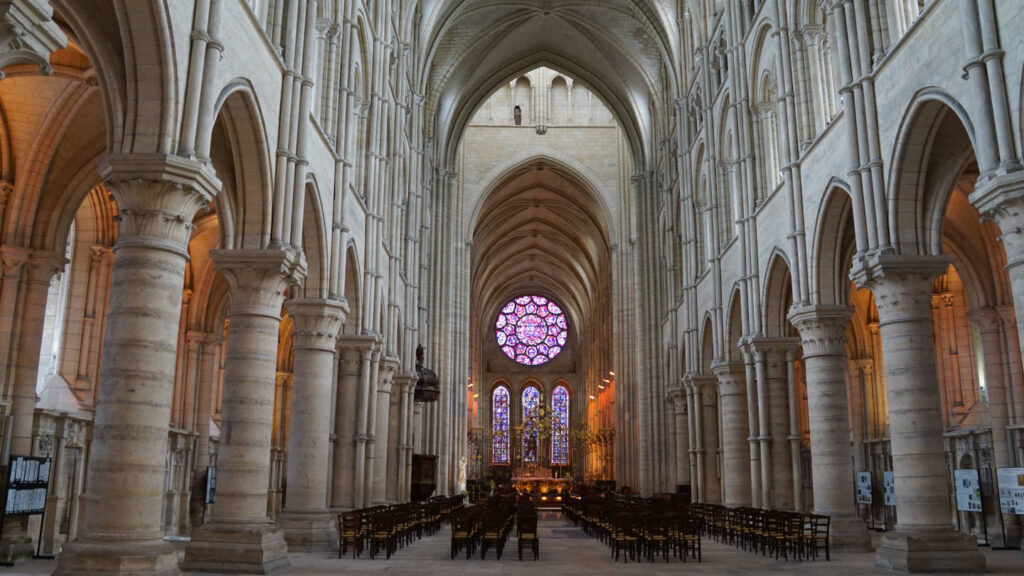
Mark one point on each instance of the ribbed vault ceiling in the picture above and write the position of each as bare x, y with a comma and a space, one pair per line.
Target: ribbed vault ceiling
541, 231
617, 48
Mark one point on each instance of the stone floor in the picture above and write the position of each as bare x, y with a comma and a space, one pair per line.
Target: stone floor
566, 550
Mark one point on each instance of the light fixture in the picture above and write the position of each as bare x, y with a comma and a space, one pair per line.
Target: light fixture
606, 381
592, 397
600, 386
612, 373
475, 396
470, 385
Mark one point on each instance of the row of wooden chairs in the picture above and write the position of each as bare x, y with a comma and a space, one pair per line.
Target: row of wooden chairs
485, 526
771, 533
387, 528
637, 528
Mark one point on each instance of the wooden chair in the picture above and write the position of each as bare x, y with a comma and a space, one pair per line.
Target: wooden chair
527, 533
624, 539
463, 533
350, 531
382, 534
691, 529
815, 535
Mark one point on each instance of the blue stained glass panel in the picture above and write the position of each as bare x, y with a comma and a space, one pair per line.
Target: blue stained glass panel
499, 425
560, 426
531, 404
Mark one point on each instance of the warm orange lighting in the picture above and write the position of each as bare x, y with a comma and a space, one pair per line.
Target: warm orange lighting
592, 397
606, 381
470, 385
559, 498
475, 396
612, 373
600, 386
544, 498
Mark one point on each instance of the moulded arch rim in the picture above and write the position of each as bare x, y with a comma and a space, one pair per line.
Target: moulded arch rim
244, 89
903, 154
816, 266
579, 174
735, 306
314, 202
468, 102
777, 254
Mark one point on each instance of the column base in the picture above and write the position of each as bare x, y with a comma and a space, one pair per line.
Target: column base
123, 558
849, 534
945, 551
236, 549
309, 532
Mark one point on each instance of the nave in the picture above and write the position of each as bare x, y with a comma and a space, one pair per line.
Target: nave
567, 550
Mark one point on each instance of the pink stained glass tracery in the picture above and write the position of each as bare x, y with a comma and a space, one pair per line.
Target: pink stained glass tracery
531, 330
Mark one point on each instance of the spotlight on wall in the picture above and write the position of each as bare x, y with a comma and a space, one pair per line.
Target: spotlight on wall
475, 396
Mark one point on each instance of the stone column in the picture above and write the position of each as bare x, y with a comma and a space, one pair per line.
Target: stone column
397, 437
753, 426
362, 417
240, 536
343, 493
706, 389
1001, 200
924, 539
732, 398
41, 268
307, 524
677, 395
696, 465
207, 380
823, 335
989, 325
121, 531
773, 401
382, 428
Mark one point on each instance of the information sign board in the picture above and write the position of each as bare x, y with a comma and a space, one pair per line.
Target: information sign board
889, 488
864, 488
1011, 490
28, 478
968, 490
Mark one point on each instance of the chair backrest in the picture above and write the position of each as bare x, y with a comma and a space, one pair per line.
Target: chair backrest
527, 525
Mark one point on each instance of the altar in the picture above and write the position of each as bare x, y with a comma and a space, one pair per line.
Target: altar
544, 492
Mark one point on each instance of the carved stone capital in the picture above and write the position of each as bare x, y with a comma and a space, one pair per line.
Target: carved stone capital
157, 196
987, 319
28, 34
902, 284
317, 322
259, 278
732, 378
14, 260
822, 329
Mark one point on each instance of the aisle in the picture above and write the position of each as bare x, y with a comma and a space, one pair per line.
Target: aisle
566, 550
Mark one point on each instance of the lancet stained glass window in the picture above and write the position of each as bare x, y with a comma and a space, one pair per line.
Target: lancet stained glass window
499, 425
531, 404
560, 426
531, 330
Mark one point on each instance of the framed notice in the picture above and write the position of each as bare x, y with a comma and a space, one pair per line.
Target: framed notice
968, 490
28, 479
864, 488
1011, 490
211, 484
888, 488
